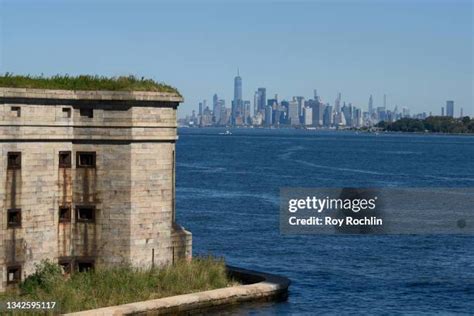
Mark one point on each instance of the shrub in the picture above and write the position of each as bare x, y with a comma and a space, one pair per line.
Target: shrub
46, 277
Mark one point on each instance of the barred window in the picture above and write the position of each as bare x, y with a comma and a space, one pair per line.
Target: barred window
14, 160
85, 159
14, 218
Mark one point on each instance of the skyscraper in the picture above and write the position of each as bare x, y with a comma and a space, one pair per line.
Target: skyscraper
255, 103
238, 87
337, 105
268, 115
381, 114
216, 108
317, 111
328, 116
405, 112
357, 117
450, 108
262, 99
215, 99
245, 112
371, 105
222, 115
300, 101
307, 116
293, 112
237, 103
347, 113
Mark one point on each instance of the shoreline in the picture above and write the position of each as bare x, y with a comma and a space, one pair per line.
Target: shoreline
327, 130
255, 286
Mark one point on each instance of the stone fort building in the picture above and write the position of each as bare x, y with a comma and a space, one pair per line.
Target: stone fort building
87, 178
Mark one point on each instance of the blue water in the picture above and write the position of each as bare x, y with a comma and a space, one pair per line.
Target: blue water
228, 195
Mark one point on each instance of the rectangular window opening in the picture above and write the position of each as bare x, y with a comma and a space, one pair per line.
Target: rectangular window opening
85, 214
64, 214
14, 218
64, 159
66, 112
86, 112
13, 274
85, 159
14, 160
66, 265
16, 109
84, 265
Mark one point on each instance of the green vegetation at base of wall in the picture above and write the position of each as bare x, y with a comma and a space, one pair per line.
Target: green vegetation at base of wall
120, 285
84, 82
433, 124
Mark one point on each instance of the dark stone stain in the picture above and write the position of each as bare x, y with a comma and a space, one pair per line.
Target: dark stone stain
12, 179
85, 186
64, 183
94, 240
76, 231
13, 194
94, 186
13, 246
64, 250
86, 241
86, 233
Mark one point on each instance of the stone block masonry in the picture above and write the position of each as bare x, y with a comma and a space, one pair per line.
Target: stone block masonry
87, 178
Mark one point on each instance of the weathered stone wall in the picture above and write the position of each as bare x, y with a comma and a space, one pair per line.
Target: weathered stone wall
131, 187
151, 202
34, 189
181, 243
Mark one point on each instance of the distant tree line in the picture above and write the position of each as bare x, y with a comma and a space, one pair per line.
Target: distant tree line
433, 124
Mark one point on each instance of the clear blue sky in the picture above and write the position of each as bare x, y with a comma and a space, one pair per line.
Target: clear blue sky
420, 53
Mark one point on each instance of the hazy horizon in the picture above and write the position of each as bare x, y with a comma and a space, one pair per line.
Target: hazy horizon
418, 53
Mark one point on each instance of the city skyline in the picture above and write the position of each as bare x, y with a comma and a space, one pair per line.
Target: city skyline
260, 102
418, 53
383, 99
300, 111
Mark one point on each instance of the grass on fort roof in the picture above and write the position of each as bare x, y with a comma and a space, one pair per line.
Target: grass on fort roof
85, 82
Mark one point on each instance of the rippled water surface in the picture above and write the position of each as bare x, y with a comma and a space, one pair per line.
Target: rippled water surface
228, 197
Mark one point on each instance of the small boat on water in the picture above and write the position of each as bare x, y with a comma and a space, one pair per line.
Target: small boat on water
227, 132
